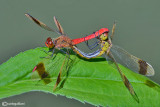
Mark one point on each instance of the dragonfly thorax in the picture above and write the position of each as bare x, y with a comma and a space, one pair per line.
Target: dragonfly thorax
104, 45
63, 41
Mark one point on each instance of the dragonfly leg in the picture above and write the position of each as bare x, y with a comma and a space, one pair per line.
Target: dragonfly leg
53, 51
67, 53
62, 51
92, 46
68, 58
47, 51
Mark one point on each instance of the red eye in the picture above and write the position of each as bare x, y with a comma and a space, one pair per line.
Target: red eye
49, 43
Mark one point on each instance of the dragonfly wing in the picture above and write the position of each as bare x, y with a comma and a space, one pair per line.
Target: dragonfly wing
58, 25
135, 64
45, 69
39, 72
113, 30
124, 78
59, 75
41, 24
65, 67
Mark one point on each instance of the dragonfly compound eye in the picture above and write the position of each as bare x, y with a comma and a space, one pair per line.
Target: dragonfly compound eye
49, 43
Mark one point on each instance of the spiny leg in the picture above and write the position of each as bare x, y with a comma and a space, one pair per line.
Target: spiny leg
62, 51
53, 51
67, 53
46, 51
125, 80
92, 46
68, 58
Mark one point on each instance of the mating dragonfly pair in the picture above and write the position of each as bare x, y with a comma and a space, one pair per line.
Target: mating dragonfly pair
111, 51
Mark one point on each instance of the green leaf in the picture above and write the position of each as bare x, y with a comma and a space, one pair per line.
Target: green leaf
93, 81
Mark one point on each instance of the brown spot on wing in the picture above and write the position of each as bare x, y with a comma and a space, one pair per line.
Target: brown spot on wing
130, 88
59, 78
126, 82
59, 75
35, 20
57, 82
142, 67
58, 25
128, 85
42, 73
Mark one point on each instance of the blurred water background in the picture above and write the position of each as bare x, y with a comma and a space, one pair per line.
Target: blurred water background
137, 31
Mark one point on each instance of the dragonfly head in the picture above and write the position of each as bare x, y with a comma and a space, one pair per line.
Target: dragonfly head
49, 43
104, 36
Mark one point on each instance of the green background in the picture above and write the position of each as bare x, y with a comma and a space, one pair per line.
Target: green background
137, 31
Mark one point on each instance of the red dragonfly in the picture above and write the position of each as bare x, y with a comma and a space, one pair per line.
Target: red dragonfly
59, 43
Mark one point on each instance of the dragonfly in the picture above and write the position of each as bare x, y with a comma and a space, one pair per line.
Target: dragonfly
63, 40
119, 55
59, 43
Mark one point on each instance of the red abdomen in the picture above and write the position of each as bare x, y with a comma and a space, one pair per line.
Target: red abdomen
97, 33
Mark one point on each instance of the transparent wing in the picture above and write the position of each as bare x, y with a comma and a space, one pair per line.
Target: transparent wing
41, 24
58, 25
124, 78
45, 69
65, 67
132, 62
